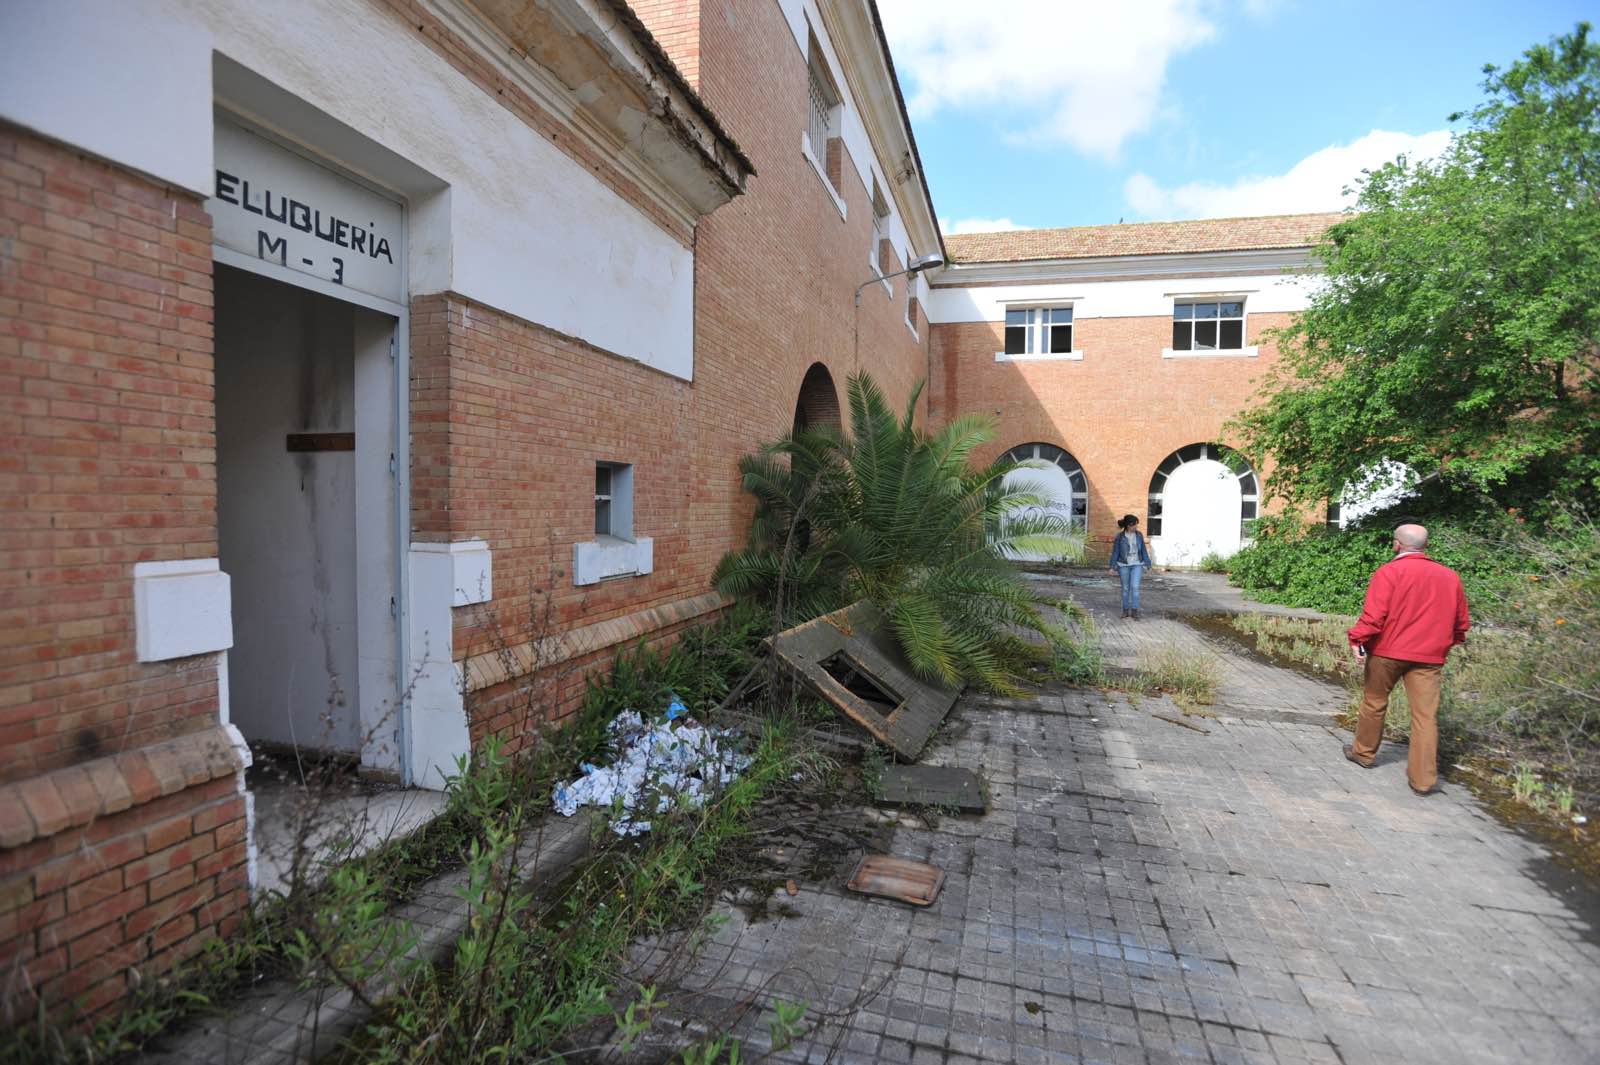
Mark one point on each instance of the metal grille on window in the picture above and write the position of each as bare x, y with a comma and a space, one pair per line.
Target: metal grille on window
820, 110
1208, 326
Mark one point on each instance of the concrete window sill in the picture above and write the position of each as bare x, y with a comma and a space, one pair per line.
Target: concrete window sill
1228, 353
822, 173
1059, 356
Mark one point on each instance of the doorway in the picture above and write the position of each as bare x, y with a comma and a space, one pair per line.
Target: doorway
304, 497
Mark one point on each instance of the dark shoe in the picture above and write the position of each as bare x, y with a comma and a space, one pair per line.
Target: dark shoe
1136, 613
1350, 753
1126, 612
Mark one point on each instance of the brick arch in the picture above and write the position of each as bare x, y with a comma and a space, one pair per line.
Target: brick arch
818, 404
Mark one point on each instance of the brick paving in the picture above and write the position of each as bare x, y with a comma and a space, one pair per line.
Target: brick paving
1143, 892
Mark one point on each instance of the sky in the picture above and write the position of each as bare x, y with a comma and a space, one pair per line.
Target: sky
1035, 113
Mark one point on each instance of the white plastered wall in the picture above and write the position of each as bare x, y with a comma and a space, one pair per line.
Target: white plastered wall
529, 231
1264, 293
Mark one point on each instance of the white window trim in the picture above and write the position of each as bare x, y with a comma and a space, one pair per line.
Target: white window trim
1213, 353
822, 172
1242, 298
1076, 355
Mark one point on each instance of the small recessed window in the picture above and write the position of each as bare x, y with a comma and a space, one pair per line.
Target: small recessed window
1209, 325
613, 500
1039, 331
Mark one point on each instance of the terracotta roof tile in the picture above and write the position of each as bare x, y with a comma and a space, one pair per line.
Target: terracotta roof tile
1141, 238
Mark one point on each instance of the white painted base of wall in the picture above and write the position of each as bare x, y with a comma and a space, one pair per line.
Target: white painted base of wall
443, 576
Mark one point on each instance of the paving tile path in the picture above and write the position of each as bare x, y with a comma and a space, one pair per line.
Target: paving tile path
1143, 892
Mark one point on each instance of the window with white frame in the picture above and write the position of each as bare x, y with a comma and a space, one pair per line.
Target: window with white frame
824, 111
1038, 330
1208, 325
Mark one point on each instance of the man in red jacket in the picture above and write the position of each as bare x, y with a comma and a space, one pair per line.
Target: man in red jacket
1415, 612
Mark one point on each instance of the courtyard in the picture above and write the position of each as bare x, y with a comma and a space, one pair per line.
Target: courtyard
1144, 892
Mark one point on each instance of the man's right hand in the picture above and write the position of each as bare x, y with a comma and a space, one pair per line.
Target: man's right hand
1359, 651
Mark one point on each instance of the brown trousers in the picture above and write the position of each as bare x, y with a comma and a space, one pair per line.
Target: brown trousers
1422, 692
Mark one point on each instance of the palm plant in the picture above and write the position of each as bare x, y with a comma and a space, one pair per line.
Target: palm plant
898, 516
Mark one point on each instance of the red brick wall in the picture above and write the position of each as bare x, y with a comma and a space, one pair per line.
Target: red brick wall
109, 858
107, 451
509, 417
142, 889
1119, 412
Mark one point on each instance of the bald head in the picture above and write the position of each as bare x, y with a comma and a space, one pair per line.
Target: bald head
1411, 537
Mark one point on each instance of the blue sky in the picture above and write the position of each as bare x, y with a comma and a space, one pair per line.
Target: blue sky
1065, 112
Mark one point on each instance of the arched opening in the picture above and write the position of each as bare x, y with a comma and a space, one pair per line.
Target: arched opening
818, 405
1200, 498
1062, 483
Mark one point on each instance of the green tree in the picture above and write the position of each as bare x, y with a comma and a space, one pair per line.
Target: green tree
1458, 328
902, 518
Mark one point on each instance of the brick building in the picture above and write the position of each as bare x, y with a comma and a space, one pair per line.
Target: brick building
361, 359
1118, 354
368, 363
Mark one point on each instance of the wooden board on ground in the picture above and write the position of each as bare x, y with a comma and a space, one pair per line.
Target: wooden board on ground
932, 785
850, 660
896, 878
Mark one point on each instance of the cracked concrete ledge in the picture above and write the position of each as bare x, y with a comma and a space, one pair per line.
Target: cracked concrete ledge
278, 1023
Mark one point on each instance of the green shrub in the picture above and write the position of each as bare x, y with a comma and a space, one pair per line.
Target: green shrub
1215, 562
908, 521
1328, 569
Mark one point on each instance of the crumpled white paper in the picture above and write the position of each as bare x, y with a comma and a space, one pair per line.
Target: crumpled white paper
678, 759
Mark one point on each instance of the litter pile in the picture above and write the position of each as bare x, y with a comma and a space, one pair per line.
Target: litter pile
655, 766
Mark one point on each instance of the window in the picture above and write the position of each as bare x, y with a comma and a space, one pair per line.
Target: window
615, 551
1249, 489
821, 143
613, 500
1039, 331
1069, 488
880, 229
1213, 325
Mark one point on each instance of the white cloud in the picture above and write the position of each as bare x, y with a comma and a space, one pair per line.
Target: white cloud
1087, 73
978, 225
1315, 183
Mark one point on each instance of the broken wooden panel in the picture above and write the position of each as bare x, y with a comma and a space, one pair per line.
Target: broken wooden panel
851, 661
897, 878
932, 785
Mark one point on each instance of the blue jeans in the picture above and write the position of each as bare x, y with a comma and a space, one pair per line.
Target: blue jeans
1132, 575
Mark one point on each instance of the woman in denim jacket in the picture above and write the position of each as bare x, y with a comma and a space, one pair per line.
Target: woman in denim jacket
1130, 558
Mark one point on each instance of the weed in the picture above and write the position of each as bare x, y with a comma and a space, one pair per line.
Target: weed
1183, 675
1213, 562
